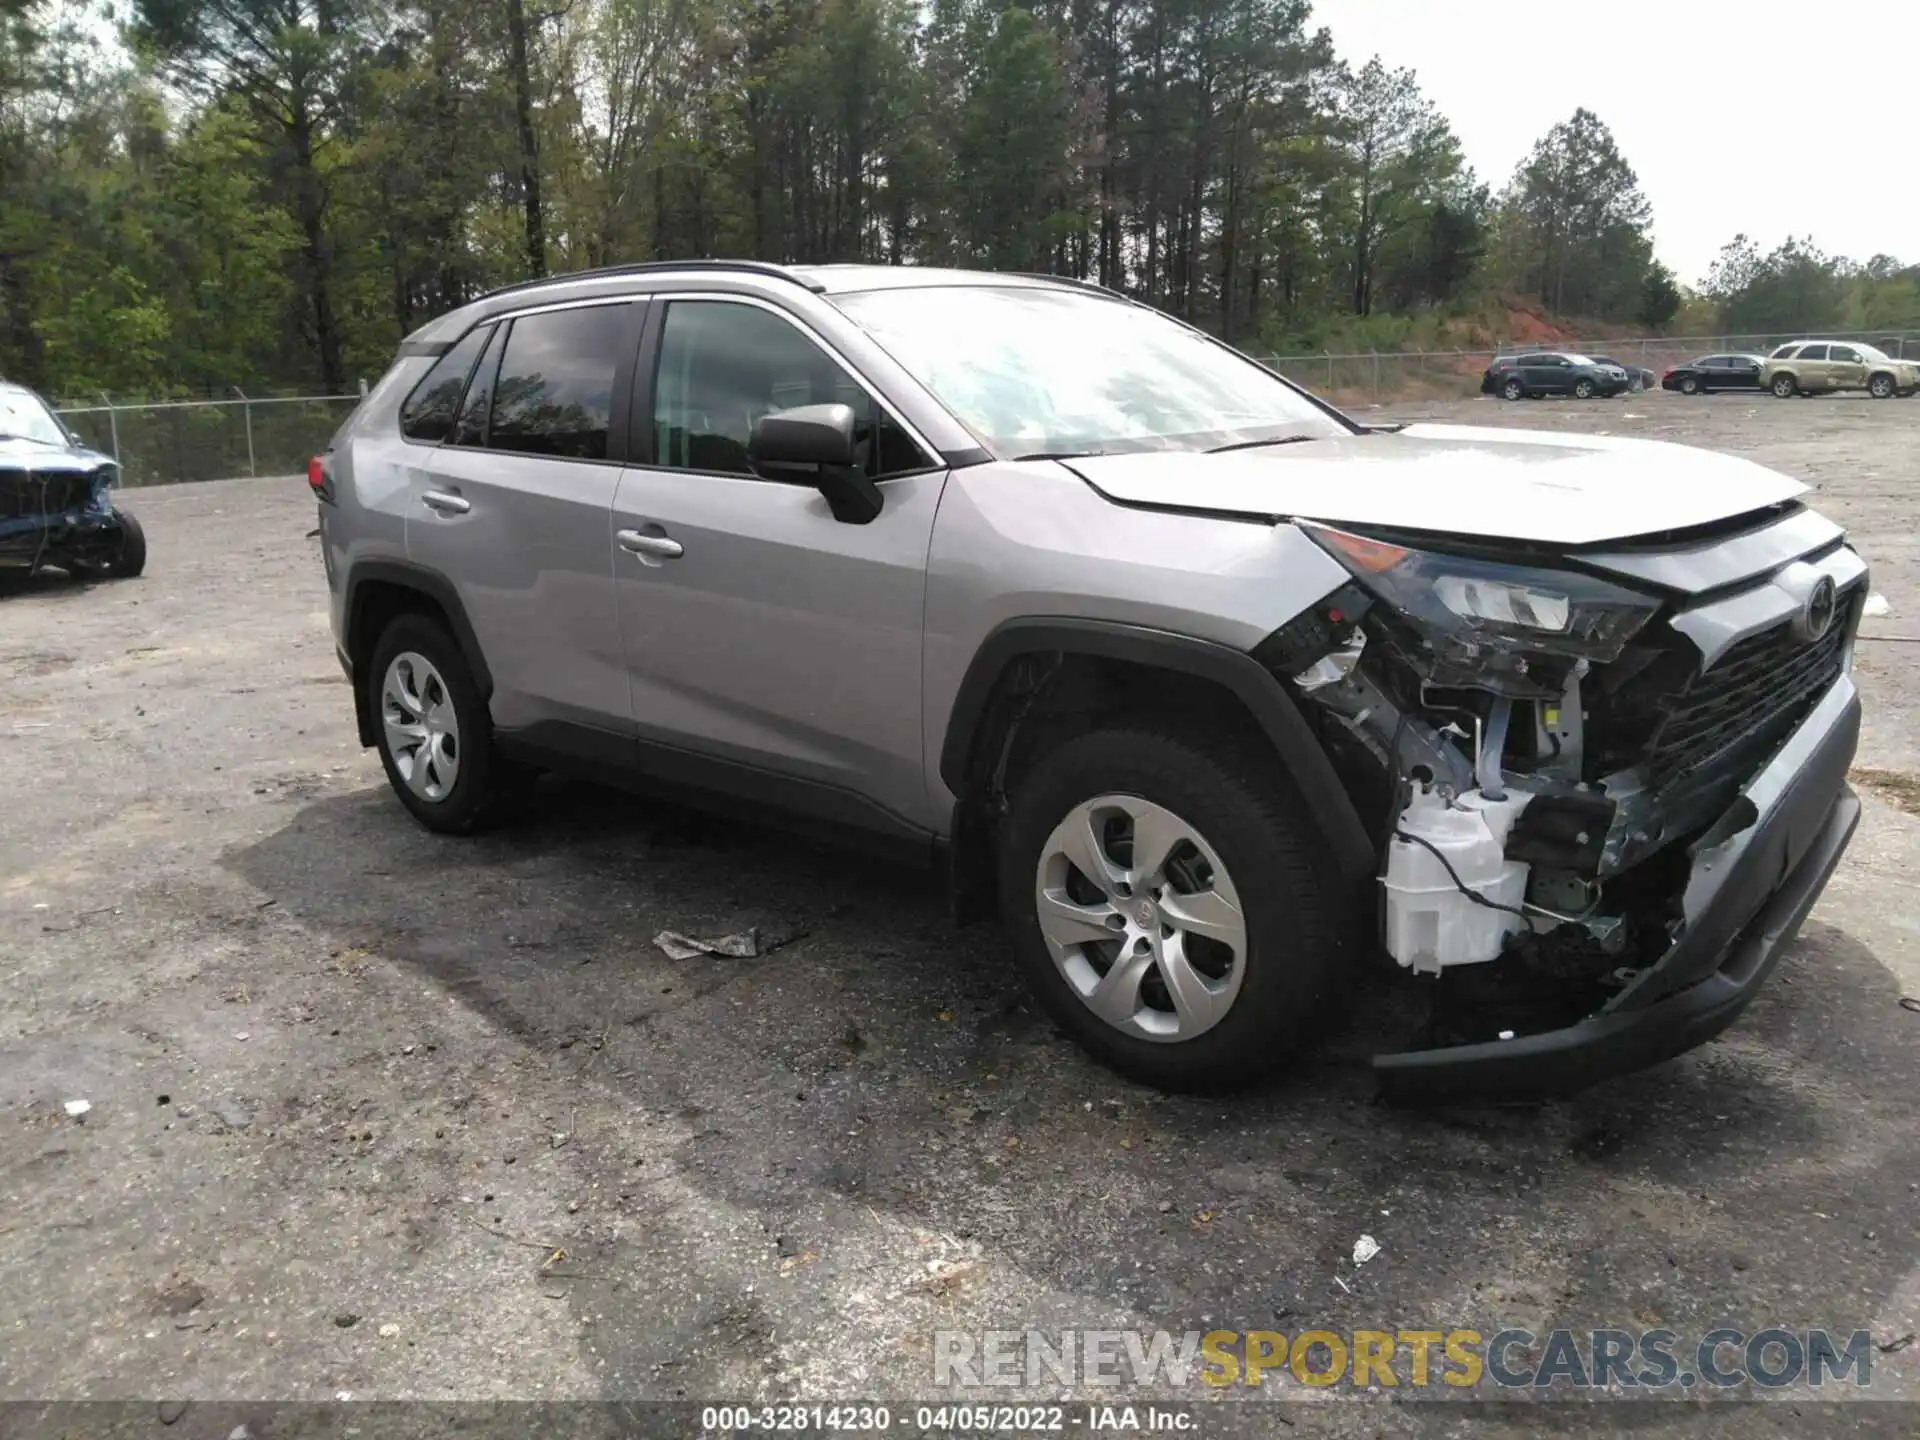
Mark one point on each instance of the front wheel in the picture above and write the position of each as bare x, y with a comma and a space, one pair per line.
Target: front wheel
1784, 387
1689, 385
1881, 387
1583, 390
1162, 899
127, 563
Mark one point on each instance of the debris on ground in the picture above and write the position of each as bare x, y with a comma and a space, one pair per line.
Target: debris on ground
1364, 1249
77, 1109
181, 1298
943, 1277
1894, 1347
746, 944
389, 1330
346, 1321
1910, 1002
1876, 606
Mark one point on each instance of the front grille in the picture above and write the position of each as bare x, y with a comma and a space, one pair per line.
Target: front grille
31, 496
1678, 720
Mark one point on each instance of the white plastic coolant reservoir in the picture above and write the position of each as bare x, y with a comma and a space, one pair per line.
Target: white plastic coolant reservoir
1430, 923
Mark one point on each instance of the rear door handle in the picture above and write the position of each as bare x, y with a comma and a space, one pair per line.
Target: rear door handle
446, 502
635, 542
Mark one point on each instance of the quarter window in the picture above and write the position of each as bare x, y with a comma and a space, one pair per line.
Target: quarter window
555, 391
723, 365
427, 414
470, 428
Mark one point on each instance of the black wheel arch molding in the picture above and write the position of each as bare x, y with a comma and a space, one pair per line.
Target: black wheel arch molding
1265, 698
359, 633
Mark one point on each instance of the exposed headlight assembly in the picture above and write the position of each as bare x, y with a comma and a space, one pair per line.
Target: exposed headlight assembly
1469, 611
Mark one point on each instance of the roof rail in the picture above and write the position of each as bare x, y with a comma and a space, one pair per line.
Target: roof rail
1078, 284
653, 267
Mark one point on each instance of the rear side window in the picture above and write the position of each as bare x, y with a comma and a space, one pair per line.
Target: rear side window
427, 414
1785, 352
555, 391
1814, 352
471, 426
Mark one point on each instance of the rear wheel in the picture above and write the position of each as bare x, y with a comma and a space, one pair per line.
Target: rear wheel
1881, 386
1513, 389
1161, 895
435, 736
1784, 386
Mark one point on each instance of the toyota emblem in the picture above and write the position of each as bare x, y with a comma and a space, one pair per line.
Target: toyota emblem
1817, 611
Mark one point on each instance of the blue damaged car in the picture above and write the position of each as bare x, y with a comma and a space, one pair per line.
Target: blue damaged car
56, 497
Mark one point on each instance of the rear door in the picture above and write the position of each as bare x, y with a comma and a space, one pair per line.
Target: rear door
765, 638
1812, 367
514, 510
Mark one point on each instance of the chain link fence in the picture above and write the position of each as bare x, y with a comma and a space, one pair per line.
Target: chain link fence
166, 442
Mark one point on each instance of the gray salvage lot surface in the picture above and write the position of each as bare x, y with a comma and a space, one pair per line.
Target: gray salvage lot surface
341, 1068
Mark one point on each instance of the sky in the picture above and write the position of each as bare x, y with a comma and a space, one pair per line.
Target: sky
1765, 116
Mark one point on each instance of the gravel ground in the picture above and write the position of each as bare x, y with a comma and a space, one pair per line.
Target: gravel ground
413, 1118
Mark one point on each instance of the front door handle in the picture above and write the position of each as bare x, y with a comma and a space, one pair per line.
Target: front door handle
660, 547
446, 502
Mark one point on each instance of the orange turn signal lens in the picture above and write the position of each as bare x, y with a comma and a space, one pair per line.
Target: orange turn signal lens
1373, 556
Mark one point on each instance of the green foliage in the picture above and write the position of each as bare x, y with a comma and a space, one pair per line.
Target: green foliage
267, 194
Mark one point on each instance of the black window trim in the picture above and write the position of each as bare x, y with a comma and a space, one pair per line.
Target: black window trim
399, 414
618, 428
640, 427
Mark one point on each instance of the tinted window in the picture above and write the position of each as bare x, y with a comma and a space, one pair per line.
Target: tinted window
428, 411
471, 427
724, 365
555, 391
1716, 362
1846, 353
1785, 352
1814, 352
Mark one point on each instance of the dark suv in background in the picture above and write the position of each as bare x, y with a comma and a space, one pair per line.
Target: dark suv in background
1526, 377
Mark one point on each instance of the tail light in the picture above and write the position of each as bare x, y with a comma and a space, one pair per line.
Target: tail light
320, 479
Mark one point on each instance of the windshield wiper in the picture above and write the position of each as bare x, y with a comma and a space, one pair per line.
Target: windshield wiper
1060, 455
1257, 444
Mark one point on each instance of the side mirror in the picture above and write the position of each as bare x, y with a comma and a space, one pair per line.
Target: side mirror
818, 439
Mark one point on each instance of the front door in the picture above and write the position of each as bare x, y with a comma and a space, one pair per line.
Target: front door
763, 636
1847, 368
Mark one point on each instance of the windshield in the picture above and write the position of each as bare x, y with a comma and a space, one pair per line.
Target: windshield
1048, 371
1875, 355
24, 416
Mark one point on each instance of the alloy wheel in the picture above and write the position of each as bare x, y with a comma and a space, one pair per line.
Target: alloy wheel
421, 726
1141, 918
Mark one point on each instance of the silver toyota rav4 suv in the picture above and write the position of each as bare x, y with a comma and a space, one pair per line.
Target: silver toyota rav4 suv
1214, 695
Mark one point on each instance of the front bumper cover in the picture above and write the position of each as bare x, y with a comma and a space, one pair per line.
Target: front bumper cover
1746, 896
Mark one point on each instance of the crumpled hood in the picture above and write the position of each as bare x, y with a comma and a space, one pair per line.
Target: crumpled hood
1455, 479
18, 455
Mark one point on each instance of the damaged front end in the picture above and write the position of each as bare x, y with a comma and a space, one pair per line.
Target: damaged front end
57, 507
1605, 787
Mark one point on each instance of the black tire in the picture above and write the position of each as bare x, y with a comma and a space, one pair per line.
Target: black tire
1881, 386
1689, 384
1784, 387
1513, 390
1233, 796
483, 786
1583, 390
131, 560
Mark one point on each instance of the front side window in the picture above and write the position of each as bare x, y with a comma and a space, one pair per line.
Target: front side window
1846, 354
1052, 370
554, 395
723, 365
25, 416
427, 414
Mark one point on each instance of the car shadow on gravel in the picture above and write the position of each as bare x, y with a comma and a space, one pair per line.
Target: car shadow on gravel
883, 1062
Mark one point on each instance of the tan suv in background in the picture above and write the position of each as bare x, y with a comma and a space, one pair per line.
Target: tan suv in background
1808, 367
